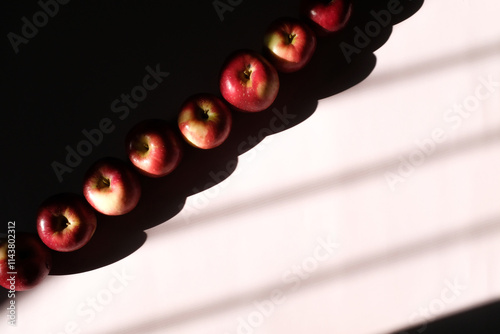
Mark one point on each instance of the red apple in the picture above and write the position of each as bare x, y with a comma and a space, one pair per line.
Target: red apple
112, 187
248, 81
66, 222
153, 148
328, 16
24, 261
205, 121
289, 44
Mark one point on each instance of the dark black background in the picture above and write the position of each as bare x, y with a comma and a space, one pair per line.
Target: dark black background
66, 77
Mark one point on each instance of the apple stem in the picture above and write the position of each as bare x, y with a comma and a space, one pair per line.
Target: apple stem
247, 73
62, 222
204, 115
141, 146
103, 182
290, 38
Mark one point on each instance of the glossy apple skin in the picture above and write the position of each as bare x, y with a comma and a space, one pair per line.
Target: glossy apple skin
154, 148
328, 16
290, 44
112, 187
66, 222
205, 121
248, 81
33, 262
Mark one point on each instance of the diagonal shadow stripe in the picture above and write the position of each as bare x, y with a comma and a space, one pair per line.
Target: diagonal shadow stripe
336, 180
433, 65
474, 231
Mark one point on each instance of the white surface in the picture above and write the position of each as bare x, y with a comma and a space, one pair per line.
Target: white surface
396, 250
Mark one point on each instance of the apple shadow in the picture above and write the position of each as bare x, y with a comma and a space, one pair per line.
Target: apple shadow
327, 74
83, 67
